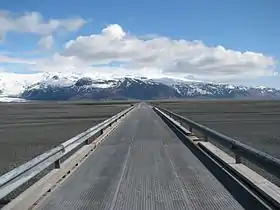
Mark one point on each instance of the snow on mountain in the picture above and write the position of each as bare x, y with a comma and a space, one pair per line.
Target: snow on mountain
11, 99
75, 86
13, 84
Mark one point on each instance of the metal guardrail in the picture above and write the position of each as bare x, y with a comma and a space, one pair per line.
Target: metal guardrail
20, 175
265, 161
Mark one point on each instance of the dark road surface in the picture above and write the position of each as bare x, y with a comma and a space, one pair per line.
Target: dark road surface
141, 165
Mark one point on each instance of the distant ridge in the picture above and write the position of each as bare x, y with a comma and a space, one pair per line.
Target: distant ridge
58, 86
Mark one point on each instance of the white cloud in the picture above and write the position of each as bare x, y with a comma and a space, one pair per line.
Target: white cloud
33, 22
60, 63
15, 60
46, 42
168, 56
114, 31
116, 52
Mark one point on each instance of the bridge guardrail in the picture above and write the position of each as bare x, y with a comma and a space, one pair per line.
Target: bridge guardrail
15, 178
265, 161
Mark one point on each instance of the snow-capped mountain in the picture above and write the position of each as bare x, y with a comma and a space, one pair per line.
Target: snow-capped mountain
61, 86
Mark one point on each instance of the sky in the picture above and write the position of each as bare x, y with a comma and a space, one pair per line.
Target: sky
222, 41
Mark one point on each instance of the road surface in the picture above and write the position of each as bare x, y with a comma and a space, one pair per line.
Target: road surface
141, 165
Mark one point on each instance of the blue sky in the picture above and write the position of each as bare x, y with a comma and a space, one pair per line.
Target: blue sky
237, 26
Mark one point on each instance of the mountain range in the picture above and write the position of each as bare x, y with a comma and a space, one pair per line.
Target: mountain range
61, 86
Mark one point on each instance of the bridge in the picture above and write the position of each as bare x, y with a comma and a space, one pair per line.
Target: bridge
144, 157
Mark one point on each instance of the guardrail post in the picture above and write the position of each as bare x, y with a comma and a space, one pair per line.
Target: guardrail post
87, 141
101, 131
190, 129
57, 164
237, 156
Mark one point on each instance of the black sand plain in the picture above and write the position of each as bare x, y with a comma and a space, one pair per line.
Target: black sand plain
29, 129
254, 123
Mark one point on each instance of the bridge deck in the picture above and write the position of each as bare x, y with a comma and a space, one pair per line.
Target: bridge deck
141, 165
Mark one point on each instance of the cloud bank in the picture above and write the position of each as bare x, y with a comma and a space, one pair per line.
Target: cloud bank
167, 56
33, 22
113, 51
46, 42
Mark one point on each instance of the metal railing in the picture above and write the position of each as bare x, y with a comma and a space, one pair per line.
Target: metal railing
15, 178
265, 161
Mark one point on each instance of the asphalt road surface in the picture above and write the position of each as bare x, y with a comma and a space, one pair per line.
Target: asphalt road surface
141, 165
